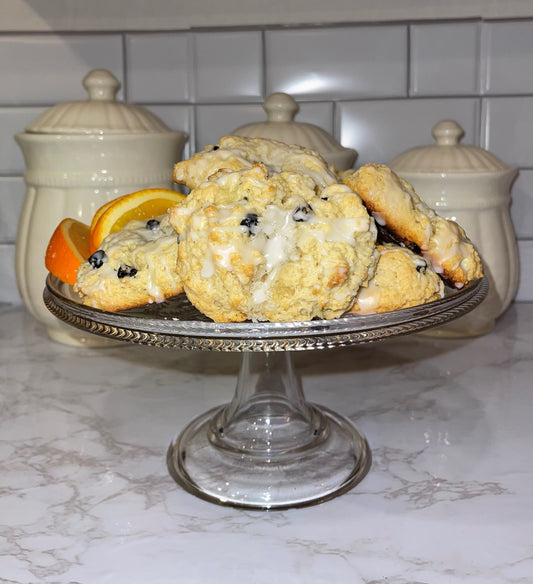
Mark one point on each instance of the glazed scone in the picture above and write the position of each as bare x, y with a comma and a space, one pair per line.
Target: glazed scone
133, 267
265, 246
395, 206
239, 153
402, 279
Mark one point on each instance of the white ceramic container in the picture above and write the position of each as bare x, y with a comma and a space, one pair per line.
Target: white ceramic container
473, 187
281, 109
78, 156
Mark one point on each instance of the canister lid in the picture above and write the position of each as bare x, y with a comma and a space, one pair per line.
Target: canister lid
100, 113
447, 155
281, 109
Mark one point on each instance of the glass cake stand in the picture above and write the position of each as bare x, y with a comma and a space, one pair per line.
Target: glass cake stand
268, 448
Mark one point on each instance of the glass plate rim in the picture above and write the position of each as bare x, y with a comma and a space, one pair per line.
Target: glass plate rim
149, 318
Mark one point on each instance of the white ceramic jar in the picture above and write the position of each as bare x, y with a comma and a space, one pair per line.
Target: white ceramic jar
281, 109
471, 186
78, 156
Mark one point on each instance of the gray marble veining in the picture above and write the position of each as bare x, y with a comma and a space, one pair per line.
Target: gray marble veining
86, 497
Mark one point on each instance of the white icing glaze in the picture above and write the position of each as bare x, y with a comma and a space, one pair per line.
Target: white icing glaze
280, 157
276, 247
133, 238
220, 255
338, 229
152, 288
447, 243
380, 219
208, 266
368, 299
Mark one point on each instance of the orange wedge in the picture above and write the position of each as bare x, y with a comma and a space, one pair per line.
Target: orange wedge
141, 205
67, 249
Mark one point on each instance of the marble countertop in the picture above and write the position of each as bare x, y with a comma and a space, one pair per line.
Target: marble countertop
86, 497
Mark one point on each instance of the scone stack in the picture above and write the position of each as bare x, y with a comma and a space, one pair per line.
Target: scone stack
269, 232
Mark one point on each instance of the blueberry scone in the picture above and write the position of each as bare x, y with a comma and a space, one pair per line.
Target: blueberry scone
133, 267
239, 153
396, 207
402, 279
262, 245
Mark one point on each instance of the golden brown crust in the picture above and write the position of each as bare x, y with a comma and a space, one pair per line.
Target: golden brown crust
396, 207
402, 279
234, 153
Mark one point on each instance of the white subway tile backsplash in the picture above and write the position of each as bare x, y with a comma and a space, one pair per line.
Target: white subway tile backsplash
507, 129
351, 62
522, 204
214, 121
12, 121
444, 59
525, 288
49, 68
8, 287
12, 191
157, 67
507, 50
380, 130
228, 66
178, 118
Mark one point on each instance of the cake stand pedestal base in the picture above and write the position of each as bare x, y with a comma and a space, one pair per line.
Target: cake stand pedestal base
269, 448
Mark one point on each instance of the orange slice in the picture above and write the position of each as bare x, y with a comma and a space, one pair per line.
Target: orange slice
99, 212
67, 249
141, 205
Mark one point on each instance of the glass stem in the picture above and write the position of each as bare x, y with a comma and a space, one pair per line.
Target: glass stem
268, 414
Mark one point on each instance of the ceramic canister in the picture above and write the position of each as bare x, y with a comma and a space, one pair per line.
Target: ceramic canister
79, 155
471, 186
281, 109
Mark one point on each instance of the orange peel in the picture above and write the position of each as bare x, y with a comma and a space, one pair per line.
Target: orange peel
67, 249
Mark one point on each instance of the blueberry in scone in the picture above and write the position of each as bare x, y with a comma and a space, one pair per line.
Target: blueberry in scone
133, 267
263, 245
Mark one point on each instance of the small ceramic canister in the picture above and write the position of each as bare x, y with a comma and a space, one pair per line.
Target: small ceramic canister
78, 156
472, 187
281, 109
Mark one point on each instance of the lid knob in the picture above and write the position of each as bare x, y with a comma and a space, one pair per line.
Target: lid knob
101, 85
447, 133
280, 107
